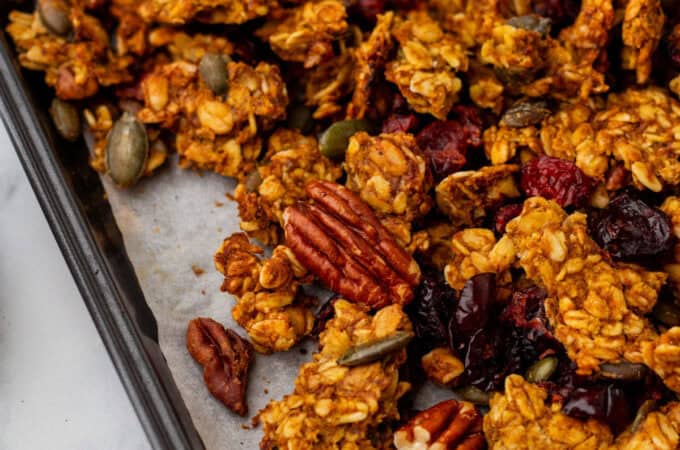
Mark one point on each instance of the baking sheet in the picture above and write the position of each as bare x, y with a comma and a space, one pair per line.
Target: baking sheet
172, 223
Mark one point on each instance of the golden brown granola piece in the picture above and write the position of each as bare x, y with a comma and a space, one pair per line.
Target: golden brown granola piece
292, 160
335, 407
131, 33
465, 196
306, 33
663, 356
659, 430
326, 84
501, 142
270, 305
183, 46
390, 173
642, 28
514, 49
520, 419
442, 366
426, 65
589, 33
371, 57
595, 308
178, 12
475, 251
99, 120
471, 21
437, 251
486, 90
76, 67
212, 132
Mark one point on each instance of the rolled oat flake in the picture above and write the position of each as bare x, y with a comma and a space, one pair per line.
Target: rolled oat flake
127, 149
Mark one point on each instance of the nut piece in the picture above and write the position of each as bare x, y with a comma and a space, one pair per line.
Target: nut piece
442, 366
225, 357
270, 305
339, 239
449, 425
336, 407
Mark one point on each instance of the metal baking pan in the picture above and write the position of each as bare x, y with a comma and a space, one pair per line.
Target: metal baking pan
73, 201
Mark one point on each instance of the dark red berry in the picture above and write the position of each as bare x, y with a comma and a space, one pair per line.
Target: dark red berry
323, 316
560, 12
556, 179
631, 230
400, 122
673, 46
505, 214
474, 304
431, 310
368, 9
445, 142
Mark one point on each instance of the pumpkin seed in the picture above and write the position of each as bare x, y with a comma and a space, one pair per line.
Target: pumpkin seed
624, 371
66, 119
376, 350
300, 117
525, 113
127, 150
253, 181
474, 395
646, 407
213, 70
54, 14
532, 22
542, 370
667, 313
334, 141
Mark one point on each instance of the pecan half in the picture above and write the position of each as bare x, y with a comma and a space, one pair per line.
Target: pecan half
337, 237
225, 357
448, 425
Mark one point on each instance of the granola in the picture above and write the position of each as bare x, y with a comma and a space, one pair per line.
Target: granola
642, 28
338, 407
178, 12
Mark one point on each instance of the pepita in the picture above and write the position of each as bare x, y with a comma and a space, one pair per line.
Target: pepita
667, 313
127, 150
334, 141
646, 407
66, 119
300, 117
532, 22
542, 370
624, 371
253, 181
525, 113
213, 70
376, 350
474, 395
54, 14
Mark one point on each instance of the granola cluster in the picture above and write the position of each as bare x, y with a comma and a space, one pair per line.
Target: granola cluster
334, 406
178, 12
270, 306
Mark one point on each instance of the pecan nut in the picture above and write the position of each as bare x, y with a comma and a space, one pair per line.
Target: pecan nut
225, 357
337, 237
448, 425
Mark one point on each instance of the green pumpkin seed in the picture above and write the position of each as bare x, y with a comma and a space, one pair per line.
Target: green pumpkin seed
667, 313
127, 149
624, 371
333, 142
542, 370
54, 14
376, 350
300, 117
532, 22
646, 407
66, 119
474, 395
213, 70
525, 113
253, 181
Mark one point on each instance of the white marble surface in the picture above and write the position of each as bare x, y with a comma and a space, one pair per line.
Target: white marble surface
58, 388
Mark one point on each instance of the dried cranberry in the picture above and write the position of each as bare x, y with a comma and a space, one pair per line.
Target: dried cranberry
400, 122
445, 142
606, 404
431, 310
504, 215
323, 316
556, 179
631, 230
472, 310
368, 9
673, 46
560, 12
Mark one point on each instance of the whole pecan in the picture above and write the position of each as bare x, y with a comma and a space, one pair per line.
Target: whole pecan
225, 357
449, 425
337, 237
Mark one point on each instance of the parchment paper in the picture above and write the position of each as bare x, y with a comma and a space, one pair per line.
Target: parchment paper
170, 223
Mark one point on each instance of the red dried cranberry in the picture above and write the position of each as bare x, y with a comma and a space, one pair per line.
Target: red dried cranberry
631, 230
400, 122
323, 316
673, 45
504, 215
431, 310
474, 304
445, 142
368, 9
556, 179
560, 12
606, 404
